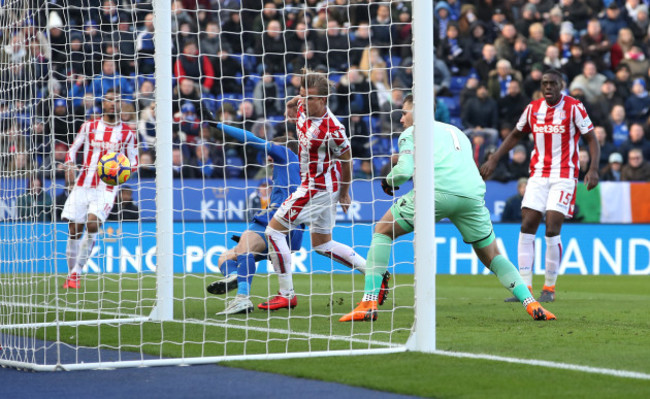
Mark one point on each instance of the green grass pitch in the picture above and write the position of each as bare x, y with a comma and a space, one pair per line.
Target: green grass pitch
602, 322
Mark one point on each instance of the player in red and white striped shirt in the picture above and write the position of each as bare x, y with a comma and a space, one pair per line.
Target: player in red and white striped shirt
326, 171
557, 122
91, 200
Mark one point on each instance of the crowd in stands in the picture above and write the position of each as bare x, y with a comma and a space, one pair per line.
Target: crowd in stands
240, 59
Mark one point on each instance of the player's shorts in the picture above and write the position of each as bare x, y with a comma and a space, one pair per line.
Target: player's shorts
469, 215
84, 200
312, 207
551, 194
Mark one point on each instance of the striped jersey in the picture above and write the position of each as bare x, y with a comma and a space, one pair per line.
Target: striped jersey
100, 138
556, 131
322, 141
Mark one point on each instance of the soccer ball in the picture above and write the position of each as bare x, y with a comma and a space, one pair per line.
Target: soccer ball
114, 168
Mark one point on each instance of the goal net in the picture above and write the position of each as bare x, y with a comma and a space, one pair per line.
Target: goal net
146, 293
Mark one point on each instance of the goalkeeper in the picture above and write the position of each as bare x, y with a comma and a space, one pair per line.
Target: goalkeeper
459, 196
238, 264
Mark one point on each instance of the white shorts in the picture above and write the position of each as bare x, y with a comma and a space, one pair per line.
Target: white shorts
84, 200
551, 194
313, 207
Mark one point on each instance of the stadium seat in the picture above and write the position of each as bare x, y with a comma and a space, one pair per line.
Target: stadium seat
234, 167
457, 84
453, 104
378, 163
380, 145
454, 120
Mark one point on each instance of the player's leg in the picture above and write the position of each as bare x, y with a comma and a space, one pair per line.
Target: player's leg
88, 243
280, 254
74, 211
472, 219
554, 221
396, 222
323, 207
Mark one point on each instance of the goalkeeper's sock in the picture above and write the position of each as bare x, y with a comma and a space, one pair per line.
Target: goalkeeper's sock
553, 259
507, 274
281, 259
343, 254
245, 273
377, 263
72, 252
228, 267
526, 257
87, 245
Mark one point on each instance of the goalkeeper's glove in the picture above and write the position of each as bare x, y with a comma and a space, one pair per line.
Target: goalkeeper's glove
388, 189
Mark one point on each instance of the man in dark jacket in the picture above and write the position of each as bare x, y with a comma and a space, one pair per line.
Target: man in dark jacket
512, 210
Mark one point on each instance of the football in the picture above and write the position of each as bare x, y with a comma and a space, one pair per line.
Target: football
114, 168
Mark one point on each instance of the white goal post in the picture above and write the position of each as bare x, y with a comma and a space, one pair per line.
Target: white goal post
142, 299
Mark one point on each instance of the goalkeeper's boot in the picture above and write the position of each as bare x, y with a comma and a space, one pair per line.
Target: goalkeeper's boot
279, 302
548, 295
72, 282
383, 291
537, 312
365, 311
239, 304
224, 285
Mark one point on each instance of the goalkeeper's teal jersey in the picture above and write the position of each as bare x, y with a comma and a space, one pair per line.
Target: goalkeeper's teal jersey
455, 170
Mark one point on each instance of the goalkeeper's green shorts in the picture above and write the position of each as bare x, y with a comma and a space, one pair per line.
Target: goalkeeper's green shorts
470, 216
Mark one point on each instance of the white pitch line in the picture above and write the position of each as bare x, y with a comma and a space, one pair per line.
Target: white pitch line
546, 363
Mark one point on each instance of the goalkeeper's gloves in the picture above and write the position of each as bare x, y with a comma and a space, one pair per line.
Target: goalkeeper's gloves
388, 189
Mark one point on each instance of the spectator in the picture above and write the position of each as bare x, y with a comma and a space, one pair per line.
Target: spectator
622, 80
187, 91
478, 40
402, 34
147, 127
606, 146
207, 165
612, 170
125, 39
534, 80
522, 61
583, 163
189, 122
442, 20
500, 79
575, 11
480, 114
125, 208
553, 25
512, 210
453, 51
469, 91
552, 58
145, 94
192, 66
566, 39
636, 169
359, 43
63, 197
441, 78
35, 204
497, 21
266, 96
612, 23
364, 172
528, 17
272, 49
618, 125
146, 47
224, 65
404, 75
392, 113
624, 43
379, 84
231, 32
354, 94
573, 66
334, 46
147, 168
512, 105
519, 165
269, 13
638, 104
380, 27
640, 23
180, 169
246, 116
359, 133
636, 60
441, 112
505, 44
603, 104
589, 81
303, 38
110, 79
487, 62
259, 199
537, 42
595, 45
637, 141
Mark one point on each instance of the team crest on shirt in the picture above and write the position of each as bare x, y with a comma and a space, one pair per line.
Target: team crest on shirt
562, 114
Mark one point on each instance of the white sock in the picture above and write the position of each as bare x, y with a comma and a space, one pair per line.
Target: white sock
72, 252
526, 257
343, 255
553, 259
281, 259
87, 245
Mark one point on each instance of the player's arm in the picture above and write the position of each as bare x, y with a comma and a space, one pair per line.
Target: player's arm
508, 144
346, 178
71, 156
132, 151
591, 178
404, 168
292, 108
244, 136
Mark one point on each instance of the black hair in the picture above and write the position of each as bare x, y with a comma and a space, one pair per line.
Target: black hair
554, 72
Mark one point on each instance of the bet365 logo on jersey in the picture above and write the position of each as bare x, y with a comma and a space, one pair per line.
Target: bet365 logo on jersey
549, 129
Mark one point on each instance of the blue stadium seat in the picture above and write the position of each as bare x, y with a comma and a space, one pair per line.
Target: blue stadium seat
457, 84
380, 145
234, 167
378, 163
453, 104
454, 120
